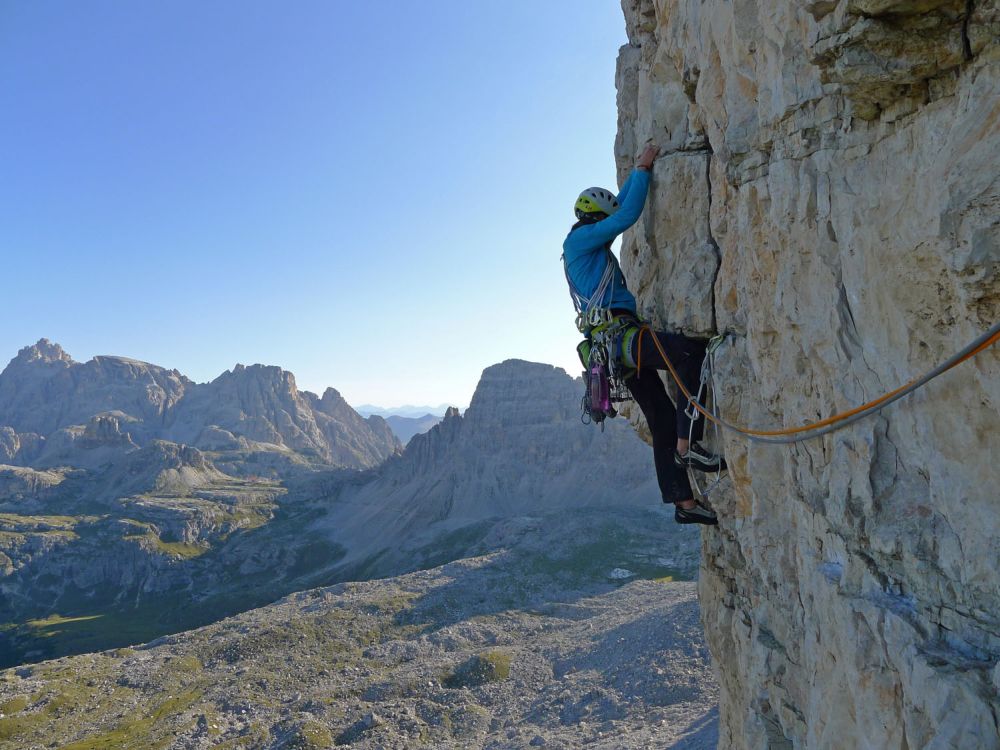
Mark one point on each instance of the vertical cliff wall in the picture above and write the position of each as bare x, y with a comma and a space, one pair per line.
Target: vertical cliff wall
829, 196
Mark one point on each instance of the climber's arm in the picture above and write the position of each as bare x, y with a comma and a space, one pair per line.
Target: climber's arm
624, 190
629, 209
644, 162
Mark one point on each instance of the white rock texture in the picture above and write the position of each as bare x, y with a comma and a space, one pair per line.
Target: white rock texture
829, 196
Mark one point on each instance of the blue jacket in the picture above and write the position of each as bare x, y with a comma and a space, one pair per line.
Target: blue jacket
587, 249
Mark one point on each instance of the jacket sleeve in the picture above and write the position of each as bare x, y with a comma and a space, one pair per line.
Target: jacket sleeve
624, 190
630, 204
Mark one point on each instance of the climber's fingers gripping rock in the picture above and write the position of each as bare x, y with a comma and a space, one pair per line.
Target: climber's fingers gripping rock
648, 155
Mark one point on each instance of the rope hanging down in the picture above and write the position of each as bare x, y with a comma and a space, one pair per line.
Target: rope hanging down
837, 421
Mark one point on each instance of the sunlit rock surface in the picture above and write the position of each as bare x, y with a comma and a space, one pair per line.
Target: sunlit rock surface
828, 196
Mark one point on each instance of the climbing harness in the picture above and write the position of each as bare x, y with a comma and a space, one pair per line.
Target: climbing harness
825, 426
604, 372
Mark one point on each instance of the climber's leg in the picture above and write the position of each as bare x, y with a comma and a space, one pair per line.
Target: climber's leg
686, 355
651, 396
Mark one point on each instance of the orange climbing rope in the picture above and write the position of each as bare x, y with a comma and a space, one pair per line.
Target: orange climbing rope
984, 342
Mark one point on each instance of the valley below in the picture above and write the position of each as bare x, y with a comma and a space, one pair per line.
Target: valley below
576, 631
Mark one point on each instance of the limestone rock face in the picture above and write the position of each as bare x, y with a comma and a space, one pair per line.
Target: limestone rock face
15, 445
828, 196
348, 433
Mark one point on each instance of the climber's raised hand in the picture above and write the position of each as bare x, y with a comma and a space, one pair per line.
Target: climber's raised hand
647, 156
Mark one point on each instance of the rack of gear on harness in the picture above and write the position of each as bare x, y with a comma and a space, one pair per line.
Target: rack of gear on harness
604, 374
600, 352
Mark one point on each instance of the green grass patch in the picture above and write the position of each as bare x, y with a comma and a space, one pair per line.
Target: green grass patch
183, 550
15, 705
312, 736
54, 625
178, 549
594, 560
59, 635
71, 698
138, 733
16, 519
392, 605
186, 665
454, 545
489, 666
20, 725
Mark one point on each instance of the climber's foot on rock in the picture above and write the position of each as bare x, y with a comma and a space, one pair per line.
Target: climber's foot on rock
695, 514
698, 458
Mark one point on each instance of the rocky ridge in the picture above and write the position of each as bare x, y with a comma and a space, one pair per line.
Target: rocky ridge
828, 196
55, 411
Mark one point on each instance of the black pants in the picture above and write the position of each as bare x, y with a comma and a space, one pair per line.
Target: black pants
665, 422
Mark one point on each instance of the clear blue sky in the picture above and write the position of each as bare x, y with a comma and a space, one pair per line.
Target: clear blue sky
371, 195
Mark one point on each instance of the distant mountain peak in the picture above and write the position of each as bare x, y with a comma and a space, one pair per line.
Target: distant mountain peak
332, 394
273, 375
45, 394
407, 410
44, 352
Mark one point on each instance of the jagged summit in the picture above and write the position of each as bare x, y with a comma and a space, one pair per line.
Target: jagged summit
259, 370
47, 401
332, 394
42, 352
518, 392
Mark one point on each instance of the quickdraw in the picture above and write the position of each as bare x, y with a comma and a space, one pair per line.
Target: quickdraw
587, 320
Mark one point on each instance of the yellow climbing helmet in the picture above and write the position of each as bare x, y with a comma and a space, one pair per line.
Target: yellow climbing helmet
596, 200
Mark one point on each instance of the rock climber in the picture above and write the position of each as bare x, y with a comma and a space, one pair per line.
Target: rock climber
596, 281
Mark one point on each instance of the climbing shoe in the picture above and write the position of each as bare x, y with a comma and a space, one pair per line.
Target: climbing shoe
699, 459
697, 514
